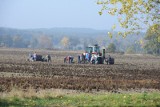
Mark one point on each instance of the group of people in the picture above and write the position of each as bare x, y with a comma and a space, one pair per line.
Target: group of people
90, 58
35, 57
94, 58
84, 57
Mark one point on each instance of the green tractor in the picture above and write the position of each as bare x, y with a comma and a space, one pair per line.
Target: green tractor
98, 55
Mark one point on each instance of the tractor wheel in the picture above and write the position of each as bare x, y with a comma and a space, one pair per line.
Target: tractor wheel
93, 61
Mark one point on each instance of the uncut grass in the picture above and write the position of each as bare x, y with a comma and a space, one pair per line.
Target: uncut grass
56, 97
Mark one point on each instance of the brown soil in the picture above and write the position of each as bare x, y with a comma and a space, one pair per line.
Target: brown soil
130, 72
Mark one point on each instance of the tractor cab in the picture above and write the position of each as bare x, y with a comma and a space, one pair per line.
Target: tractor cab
93, 49
97, 55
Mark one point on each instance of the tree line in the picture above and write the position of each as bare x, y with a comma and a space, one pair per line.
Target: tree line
143, 43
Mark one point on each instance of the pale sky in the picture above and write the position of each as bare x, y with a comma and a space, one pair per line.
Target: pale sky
24, 14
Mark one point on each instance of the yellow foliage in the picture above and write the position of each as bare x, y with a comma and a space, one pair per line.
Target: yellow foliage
119, 33
125, 35
110, 34
99, 2
114, 26
141, 42
159, 38
131, 12
65, 41
100, 13
113, 1
140, 2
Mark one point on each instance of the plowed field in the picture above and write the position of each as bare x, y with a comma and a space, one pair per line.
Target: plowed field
130, 72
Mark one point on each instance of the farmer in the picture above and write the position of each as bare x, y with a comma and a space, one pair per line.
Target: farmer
34, 56
48, 57
71, 59
87, 57
83, 57
30, 57
93, 59
68, 59
90, 55
79, 59
108, 59
65, 59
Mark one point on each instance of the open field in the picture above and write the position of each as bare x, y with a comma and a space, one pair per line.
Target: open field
130, 72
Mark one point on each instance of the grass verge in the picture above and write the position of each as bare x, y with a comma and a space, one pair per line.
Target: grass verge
60, 99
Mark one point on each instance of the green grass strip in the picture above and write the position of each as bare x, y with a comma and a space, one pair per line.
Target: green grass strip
85, 100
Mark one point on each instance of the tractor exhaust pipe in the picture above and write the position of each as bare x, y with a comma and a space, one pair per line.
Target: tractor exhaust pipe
103, 54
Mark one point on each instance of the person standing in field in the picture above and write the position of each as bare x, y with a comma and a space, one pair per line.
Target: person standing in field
87, 57
108, 59
79, 59
34, 56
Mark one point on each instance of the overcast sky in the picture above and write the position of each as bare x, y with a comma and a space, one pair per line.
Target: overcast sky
53, 13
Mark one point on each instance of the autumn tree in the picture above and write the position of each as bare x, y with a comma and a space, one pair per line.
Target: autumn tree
152, 45
133, 15
65, 42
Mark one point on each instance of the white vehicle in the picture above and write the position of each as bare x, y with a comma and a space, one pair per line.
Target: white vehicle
98, 57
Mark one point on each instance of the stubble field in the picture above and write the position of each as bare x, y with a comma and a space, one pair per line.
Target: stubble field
129, 73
